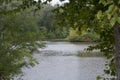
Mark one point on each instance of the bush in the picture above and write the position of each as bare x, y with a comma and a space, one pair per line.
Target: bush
85, 38
89, 38
73, 38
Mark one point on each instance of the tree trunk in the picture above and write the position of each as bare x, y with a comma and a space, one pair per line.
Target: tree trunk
117, 49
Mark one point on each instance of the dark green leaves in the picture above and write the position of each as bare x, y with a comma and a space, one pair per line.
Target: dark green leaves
19, 34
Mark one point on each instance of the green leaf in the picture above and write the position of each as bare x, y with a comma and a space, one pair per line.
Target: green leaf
111, 8
118, 20
102, 1
107, 71
109, 16
99, 14
98, 78
119, 2
113, 21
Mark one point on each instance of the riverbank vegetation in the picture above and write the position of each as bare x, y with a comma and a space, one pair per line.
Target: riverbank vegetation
75, 35
48, 24
90, 54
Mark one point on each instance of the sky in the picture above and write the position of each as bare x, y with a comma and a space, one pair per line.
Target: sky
56, 2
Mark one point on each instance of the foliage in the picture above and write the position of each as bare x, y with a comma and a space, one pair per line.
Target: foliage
10, 6
73, 35
98, 15
90, 54
47, 23
18, 37
20, 34
17, 44
82, 36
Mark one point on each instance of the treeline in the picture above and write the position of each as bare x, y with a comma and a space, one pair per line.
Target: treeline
53, 30
47, 23
49, 27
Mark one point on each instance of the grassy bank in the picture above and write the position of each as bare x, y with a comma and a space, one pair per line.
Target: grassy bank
89, 54
85, 54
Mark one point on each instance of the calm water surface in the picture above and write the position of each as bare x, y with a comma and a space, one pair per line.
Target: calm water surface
58, 67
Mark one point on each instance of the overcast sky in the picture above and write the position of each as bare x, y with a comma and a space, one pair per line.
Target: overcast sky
56, 2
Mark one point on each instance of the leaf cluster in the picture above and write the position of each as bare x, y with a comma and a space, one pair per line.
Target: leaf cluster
19, 36
13, 6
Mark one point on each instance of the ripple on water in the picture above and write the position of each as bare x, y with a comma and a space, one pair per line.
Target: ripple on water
65, 68
59, 67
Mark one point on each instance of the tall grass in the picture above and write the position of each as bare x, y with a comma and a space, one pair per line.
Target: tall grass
89, 54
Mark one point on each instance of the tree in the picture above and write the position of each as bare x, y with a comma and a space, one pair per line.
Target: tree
103, 17
10, 6
18, 37
46, 22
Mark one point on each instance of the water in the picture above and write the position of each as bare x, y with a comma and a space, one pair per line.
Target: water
65, 47
58, 67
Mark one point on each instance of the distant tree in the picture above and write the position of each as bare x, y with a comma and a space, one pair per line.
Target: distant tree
47, 22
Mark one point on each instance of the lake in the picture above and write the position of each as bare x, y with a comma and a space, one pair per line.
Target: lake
54, 65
